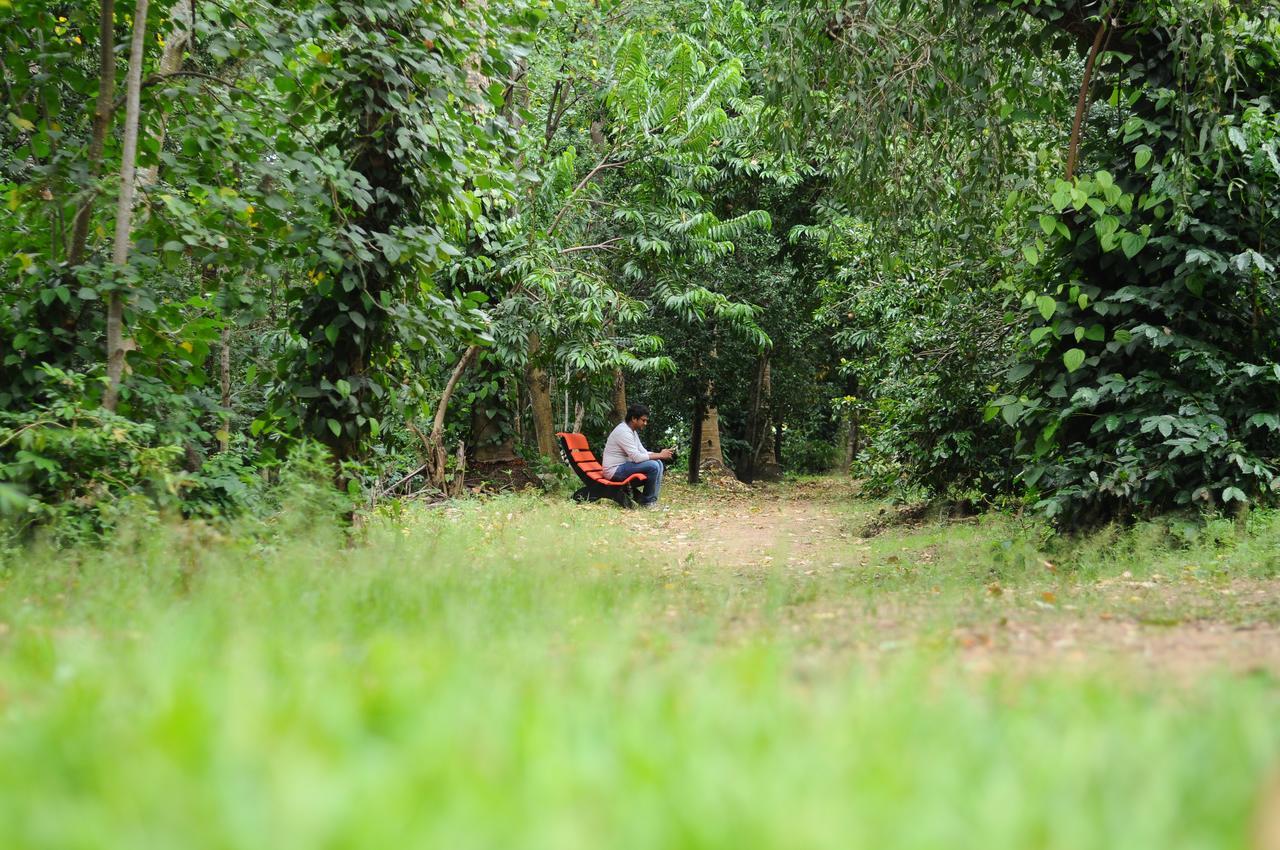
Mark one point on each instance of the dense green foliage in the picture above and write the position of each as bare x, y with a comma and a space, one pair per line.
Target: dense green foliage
1016, 250
1150, 378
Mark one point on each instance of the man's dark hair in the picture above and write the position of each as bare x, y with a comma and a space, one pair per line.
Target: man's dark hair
636, 411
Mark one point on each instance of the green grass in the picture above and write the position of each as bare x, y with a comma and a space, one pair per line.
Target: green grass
486, 677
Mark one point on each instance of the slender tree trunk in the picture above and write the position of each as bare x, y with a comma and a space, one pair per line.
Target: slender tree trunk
436, 455
101, 122
539, 384
746, 460
566, 403
224, 363
460, 472
522, 401
124, 208
1077, 125
619, 406
579, 413
695, 443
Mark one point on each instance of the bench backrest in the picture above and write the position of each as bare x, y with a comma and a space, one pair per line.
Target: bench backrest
577, 451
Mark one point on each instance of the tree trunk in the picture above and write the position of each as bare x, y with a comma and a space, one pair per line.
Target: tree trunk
116, 346
539, 384
618, 411
491, 441
170, 61
712, 457
459, 485
579, 414
765, 464
102, 112
849, 438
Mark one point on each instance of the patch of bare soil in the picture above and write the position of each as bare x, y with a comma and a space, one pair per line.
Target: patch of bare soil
1186, 650
501, 477
1169, 627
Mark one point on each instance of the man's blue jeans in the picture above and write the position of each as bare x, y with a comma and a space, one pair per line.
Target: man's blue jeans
652, 484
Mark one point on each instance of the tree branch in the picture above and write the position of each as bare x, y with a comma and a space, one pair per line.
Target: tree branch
602, 165
1073, 149
605, 245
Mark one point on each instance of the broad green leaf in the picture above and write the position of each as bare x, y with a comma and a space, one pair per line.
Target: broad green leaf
1047, 306
1132, 244
1073, 359
336, 427
1020, 371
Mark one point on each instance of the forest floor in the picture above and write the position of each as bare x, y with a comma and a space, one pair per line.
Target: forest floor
918, 582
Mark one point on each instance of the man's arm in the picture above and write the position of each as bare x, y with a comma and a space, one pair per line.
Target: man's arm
634, 449
637, 453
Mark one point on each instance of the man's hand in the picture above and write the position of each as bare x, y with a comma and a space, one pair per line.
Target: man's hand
666, 454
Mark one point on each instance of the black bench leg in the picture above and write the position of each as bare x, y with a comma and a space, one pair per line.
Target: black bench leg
582, 495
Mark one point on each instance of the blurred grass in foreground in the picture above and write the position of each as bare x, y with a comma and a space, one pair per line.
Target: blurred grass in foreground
504, 676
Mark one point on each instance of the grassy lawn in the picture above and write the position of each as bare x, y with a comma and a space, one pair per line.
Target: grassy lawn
528, 674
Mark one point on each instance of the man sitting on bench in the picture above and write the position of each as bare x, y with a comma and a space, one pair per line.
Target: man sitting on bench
625, 455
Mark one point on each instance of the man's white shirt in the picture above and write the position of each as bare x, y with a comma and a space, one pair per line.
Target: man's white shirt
622, 446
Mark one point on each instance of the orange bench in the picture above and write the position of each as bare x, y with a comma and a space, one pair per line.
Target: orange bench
596, 485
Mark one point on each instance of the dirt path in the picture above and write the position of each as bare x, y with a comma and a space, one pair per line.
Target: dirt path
805, 528
812, 532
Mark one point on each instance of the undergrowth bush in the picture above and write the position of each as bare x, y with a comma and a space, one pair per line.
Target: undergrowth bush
72, 472
806, 455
